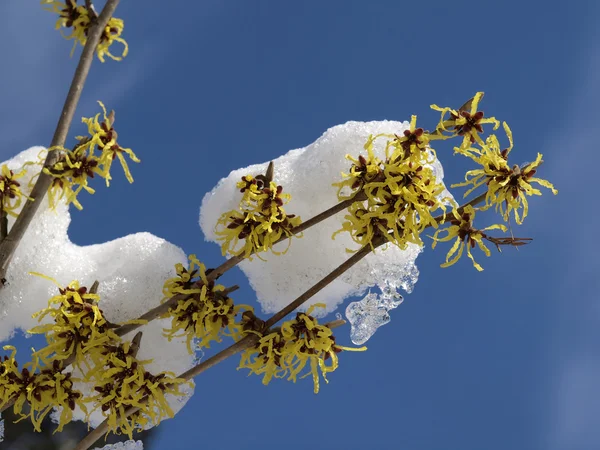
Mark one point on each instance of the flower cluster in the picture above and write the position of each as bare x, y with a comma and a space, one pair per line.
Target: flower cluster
10, 190
78, 329
205, 312
507, 187
74, 167
287, 351
41, 388
81, 335
80, 19
261, 221
401, 191
121, 382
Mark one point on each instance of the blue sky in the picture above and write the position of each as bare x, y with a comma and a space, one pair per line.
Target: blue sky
506, 358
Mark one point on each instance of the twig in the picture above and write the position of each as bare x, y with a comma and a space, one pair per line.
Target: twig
162, 309
3, 225
135, 344
91, 10
12, 240
246, 342
250, 339
335, 323
364, 251
235, 260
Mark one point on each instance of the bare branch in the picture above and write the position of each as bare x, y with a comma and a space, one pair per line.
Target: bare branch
12, 240
91, 10
250, 339
235, 260
3, 225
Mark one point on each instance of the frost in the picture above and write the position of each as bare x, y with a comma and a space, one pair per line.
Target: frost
307, 174
131, 271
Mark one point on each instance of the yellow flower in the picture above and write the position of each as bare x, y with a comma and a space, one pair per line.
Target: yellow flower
41, 390
121, 381
507, 188
261, 222
71, 173
205, 313
79, 328
9, 375
362, 171
400, 200
73, 169
112, 33
103, 135
10, 190
461, 228
465, 123
287, 351
77, 17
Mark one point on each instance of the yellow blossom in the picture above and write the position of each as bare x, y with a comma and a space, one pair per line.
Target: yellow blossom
465, 123
300, 343
461, 228
41, 388
205, 313
362, 171
261, 222
400, 199
79, 328
103, 136
77, 17
507, 187
121, 382
10, 190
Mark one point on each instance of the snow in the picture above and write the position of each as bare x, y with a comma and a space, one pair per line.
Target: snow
307, 174
127, 445
131, 271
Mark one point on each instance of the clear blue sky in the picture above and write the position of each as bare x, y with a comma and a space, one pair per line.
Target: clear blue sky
506, 358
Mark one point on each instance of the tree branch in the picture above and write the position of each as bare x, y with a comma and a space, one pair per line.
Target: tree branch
250, 339
12, 240
235, 260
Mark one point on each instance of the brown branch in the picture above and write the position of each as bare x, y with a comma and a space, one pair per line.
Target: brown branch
246, 342
11, 242
162, 309
250, 339
91, 10
3, 225
235, 260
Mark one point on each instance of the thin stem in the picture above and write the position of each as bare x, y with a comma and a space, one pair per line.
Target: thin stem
3, 224
91, 10
161, 309
12, 240
251, 339
235, 260
246, 342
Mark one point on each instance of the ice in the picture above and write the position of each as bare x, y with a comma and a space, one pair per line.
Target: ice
370, 313
131, 271
307, 174
127, 445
